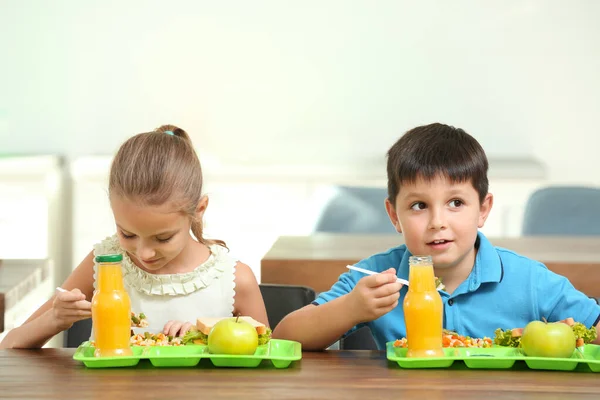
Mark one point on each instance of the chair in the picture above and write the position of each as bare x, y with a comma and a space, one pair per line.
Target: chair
563, 210
280, 300
78, 333
355, 210
360, 339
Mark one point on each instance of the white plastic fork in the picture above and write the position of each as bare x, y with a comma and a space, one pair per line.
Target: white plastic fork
366, 271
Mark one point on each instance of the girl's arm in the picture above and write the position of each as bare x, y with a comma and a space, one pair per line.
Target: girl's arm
248, 299
59, 312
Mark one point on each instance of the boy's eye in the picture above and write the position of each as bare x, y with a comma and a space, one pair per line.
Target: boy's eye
455, 203
127, 236
418, 206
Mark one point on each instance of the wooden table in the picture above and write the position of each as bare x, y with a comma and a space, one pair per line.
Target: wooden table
318, 260
53, 374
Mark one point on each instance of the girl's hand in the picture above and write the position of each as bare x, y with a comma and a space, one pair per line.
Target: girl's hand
69, 307
375, 295
177, 328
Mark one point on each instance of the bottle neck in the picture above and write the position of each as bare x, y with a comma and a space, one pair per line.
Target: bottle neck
421, 278
110, 276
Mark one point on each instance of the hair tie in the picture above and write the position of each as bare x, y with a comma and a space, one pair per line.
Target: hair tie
169, 133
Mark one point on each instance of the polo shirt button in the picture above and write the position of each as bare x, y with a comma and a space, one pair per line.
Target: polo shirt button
450, 302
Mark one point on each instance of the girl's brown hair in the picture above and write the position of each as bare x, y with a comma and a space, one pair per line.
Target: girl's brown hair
158, 167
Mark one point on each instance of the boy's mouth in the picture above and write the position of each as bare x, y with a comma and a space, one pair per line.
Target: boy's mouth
439, 242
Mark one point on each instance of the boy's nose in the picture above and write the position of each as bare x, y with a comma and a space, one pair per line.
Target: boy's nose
436, 221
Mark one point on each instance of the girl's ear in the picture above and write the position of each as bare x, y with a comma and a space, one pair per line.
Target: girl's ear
391, 212
201, 207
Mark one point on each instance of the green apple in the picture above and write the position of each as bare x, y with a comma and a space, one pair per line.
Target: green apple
232, 336
541, 339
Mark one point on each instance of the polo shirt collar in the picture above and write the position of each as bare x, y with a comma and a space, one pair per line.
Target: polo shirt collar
487, 269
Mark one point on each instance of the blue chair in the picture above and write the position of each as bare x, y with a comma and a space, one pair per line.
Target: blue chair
356, 210
563, 210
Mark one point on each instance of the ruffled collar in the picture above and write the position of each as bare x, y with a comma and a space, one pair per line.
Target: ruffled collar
168, 284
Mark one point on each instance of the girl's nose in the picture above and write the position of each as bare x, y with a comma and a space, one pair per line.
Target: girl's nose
146, 253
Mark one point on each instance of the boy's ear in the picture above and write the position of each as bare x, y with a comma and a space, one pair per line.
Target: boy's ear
201, 207
485, 208
391, 211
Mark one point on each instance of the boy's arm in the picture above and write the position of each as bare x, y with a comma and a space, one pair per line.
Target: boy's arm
317, 327
597, 341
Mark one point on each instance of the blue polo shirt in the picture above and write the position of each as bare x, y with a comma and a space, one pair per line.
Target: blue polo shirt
504, 290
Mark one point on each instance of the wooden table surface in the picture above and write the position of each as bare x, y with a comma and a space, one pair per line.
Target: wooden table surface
318, 260
53, 374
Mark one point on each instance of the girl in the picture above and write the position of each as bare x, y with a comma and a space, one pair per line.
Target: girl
155, 192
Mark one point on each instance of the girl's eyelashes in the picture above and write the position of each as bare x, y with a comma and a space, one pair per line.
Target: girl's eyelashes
127, 236
160, 240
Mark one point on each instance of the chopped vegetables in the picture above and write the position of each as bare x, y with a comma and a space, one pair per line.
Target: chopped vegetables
148, 339
451, 339
139, 321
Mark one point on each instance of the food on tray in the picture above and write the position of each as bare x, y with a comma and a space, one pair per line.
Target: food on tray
200, 333
513, 337
160, 339
452, 339
139, 321
233, 336
542, 339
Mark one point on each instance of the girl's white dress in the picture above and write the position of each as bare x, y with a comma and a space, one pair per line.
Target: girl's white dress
207, 291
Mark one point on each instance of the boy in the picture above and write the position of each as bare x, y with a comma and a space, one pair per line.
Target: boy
438, 198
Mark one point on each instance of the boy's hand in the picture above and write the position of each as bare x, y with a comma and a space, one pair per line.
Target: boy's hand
375, 295
70, 307
177, 328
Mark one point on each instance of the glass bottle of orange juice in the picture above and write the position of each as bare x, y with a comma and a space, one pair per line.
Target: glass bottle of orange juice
423, 310
111, 309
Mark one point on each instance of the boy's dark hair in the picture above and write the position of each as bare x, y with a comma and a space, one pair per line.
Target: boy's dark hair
436, 149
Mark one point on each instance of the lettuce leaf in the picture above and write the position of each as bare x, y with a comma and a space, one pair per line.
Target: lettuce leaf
194, 334
581, 332
505, 338
264, 338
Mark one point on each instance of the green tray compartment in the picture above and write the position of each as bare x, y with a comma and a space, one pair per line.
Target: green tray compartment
498, 357
280, 353
176, 356
85, 354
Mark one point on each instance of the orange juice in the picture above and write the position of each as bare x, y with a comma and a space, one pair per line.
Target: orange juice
111, 309
423, 310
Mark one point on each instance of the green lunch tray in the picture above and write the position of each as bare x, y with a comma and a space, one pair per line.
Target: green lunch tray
497, 357
280, 353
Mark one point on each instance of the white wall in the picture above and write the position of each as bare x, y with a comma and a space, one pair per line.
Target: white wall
282, 97
335, 82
